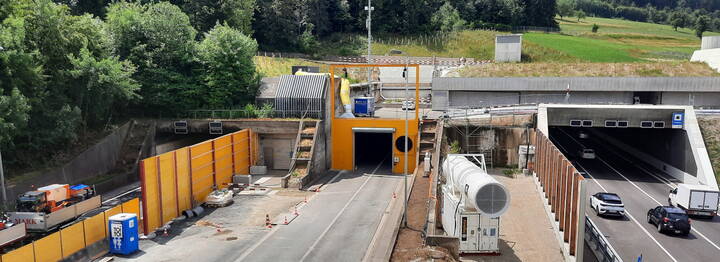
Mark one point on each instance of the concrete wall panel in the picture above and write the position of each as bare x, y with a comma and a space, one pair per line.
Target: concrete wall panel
464, 99
23, 254
94, 228
48, 248
72, 239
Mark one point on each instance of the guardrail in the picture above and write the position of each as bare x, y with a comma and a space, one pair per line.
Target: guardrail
599, 245
242, 113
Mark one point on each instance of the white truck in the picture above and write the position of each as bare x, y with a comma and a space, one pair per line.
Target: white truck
43, 222
698, 200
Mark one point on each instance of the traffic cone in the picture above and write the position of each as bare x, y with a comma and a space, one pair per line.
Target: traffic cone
267, 221
286, 222
305, 199
296, 213
394, 195
165, 233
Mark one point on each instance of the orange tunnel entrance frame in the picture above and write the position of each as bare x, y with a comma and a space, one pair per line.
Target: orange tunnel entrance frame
342, 128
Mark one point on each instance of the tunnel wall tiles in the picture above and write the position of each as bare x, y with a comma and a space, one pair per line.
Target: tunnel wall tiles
560, 183
70, 240
180, 180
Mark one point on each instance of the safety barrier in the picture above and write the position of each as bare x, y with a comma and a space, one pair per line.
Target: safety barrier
599, 245
562, 188
69, 241
180, 180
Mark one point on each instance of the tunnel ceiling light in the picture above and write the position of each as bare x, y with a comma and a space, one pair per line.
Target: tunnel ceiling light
611, 123
576, 123
623, 123
180, 127
587, 123
659, 124
646, 124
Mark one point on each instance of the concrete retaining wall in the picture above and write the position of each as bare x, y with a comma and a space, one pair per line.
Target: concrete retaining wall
97, 160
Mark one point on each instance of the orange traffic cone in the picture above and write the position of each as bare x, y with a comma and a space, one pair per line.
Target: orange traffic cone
165, 233
267, 221
306, 199
296, 213
394, 195
286, 222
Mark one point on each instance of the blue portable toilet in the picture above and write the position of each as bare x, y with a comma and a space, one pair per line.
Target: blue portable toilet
124, 236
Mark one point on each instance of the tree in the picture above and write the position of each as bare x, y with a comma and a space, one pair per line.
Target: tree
595, 28
701, 25
565, 8
539, 12
229, 72
14, 116
205, 14
677, 20
580, 15
107, 85
447, 19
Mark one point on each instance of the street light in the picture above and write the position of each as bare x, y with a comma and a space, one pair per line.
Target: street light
368, 24
2, 173
406, 75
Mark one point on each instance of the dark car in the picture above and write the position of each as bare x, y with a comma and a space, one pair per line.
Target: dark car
669, 219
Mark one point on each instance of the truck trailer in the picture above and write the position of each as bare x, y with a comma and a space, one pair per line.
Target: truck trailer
48, 207
697, 200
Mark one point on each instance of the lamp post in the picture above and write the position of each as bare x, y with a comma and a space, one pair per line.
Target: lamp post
368, 24
406, 75
2, 172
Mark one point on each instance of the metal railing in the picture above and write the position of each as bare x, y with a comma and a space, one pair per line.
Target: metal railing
243, 113
599, 244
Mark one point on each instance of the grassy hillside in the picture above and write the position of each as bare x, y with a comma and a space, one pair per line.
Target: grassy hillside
616, 41
674, 68
272, 66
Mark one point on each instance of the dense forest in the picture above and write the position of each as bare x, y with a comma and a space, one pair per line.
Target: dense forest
702, 15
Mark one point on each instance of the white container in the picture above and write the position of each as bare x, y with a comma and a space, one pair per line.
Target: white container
485, 194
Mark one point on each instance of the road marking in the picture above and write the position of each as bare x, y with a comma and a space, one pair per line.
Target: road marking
327, 229
627, 213
257, 244
636, 186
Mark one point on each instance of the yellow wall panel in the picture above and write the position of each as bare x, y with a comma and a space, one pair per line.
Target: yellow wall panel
94, 229
182, 166
114, 211
132, 206
72, 239
201, 148
152, 194
168, 187
23, 254
48, 248
342, 141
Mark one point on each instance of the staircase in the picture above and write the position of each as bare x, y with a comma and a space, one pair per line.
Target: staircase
301, 163
130, 153
428, 136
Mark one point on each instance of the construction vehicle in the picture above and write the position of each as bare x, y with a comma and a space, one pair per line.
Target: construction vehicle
9, 232
49, 207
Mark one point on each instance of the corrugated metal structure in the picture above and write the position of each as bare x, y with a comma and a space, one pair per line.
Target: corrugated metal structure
710, 42
455, 92
301, 95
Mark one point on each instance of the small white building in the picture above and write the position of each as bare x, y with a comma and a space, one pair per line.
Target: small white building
508, 48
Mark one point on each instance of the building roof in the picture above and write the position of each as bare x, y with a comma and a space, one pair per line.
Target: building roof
268, 87
561, 84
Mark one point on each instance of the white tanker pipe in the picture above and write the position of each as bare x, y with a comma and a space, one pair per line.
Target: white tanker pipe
479, 189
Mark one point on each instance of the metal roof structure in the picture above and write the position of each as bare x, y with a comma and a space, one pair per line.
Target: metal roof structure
298, 95
631, 84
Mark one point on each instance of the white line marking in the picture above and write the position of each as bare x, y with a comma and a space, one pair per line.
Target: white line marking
327, 229
257, 244
648, 195
262, 180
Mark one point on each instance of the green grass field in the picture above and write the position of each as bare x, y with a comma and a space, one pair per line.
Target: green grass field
616, 41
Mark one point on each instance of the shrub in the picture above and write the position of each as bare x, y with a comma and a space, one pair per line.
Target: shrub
595, 28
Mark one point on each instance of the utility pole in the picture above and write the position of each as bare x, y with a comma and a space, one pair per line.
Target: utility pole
368, 24
405, 169
2, 179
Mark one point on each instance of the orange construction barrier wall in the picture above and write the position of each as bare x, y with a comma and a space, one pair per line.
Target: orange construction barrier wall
180, 180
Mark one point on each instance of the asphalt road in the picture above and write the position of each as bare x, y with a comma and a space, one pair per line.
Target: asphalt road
641, 188
338, 224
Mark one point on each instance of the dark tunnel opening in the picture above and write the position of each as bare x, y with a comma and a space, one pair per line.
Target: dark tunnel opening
373, 148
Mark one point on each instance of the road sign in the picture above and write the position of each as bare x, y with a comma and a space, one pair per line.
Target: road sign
678, 120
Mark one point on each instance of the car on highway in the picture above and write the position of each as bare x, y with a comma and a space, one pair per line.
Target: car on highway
669, 219
607, 204
587, 153
408, 105
583, 135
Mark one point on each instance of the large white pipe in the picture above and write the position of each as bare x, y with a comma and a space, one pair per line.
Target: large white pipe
481, 190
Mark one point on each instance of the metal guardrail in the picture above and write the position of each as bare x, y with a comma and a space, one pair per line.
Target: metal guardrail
599, 245
242, 113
